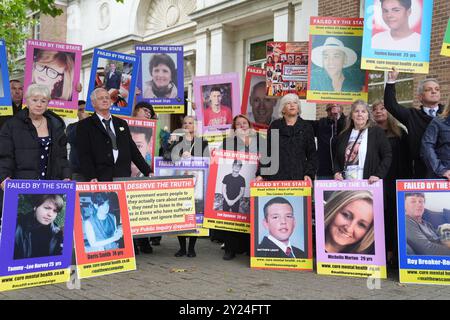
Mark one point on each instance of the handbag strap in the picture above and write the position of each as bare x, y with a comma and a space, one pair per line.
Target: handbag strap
351, 150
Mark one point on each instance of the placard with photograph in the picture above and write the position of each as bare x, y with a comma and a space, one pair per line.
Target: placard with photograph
5, 92
350, 228
56, 66
143, 132
260, 108
161, 77
397, 34
445, 51
218, 100
423, 213
228, 200
281, 236
286, 69
116, 73
36, 233
103, 241
335, 61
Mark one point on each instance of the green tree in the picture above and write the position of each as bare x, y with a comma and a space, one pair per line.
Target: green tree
15, 22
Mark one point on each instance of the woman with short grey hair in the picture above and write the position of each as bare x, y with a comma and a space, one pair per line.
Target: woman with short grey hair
33, 142
297, 155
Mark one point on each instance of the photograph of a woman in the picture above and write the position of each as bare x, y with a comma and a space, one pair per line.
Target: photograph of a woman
102, 230
349, 222
163, 77
335, 66
37, 234
55, 70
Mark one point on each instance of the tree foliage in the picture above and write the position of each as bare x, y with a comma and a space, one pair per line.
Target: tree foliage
16, 22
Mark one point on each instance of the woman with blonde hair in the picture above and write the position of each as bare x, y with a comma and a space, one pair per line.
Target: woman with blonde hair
362, 150
349, 222
436, 145
55, 70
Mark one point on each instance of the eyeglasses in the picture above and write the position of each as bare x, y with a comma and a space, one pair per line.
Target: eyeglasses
50, 72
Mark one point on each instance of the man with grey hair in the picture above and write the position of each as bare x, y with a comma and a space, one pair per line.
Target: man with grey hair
415, 120
104, 143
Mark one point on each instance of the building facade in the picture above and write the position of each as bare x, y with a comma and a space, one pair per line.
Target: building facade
220, 36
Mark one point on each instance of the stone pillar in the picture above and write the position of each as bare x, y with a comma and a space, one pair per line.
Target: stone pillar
203, 42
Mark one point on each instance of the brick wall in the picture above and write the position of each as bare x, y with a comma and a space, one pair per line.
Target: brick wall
54, 29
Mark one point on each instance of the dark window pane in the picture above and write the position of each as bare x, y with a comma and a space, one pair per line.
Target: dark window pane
258, 50
405, 90
376, 92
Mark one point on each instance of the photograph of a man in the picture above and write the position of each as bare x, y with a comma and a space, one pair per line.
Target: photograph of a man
396, 14
261, 107
142, 136
233, 188
215, 113
422, 227
112, 78
279, 221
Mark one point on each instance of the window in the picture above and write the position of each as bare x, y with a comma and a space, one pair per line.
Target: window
256, 51
404, 87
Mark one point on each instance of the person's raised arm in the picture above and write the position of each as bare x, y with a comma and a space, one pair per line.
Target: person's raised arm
390, 101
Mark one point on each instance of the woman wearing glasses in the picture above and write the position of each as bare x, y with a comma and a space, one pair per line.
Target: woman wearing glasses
55, 70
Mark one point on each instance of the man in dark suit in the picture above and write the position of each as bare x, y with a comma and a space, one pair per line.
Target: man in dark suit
113, 78
279, 220
104, 143
415, 120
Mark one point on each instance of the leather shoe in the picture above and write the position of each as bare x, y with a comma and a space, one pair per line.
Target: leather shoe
191, 254
146, 247
228, 255
180, 253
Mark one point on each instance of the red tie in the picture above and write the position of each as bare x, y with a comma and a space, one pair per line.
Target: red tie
289, 252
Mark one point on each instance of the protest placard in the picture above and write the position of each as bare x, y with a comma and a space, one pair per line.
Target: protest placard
281, 235
36, 236
350, 228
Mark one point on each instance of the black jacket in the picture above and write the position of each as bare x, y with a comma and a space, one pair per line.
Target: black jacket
297, 151
27, 227
20, 148
378, 156
415, 120
326, 131
269, 249
95, 150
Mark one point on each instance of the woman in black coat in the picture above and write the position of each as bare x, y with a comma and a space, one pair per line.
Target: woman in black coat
362, 151
401, 168
33, 144
296, 148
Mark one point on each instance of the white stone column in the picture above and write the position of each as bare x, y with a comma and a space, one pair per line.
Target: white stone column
303, 11
222, 50
202, 53
281, 23
73, 22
